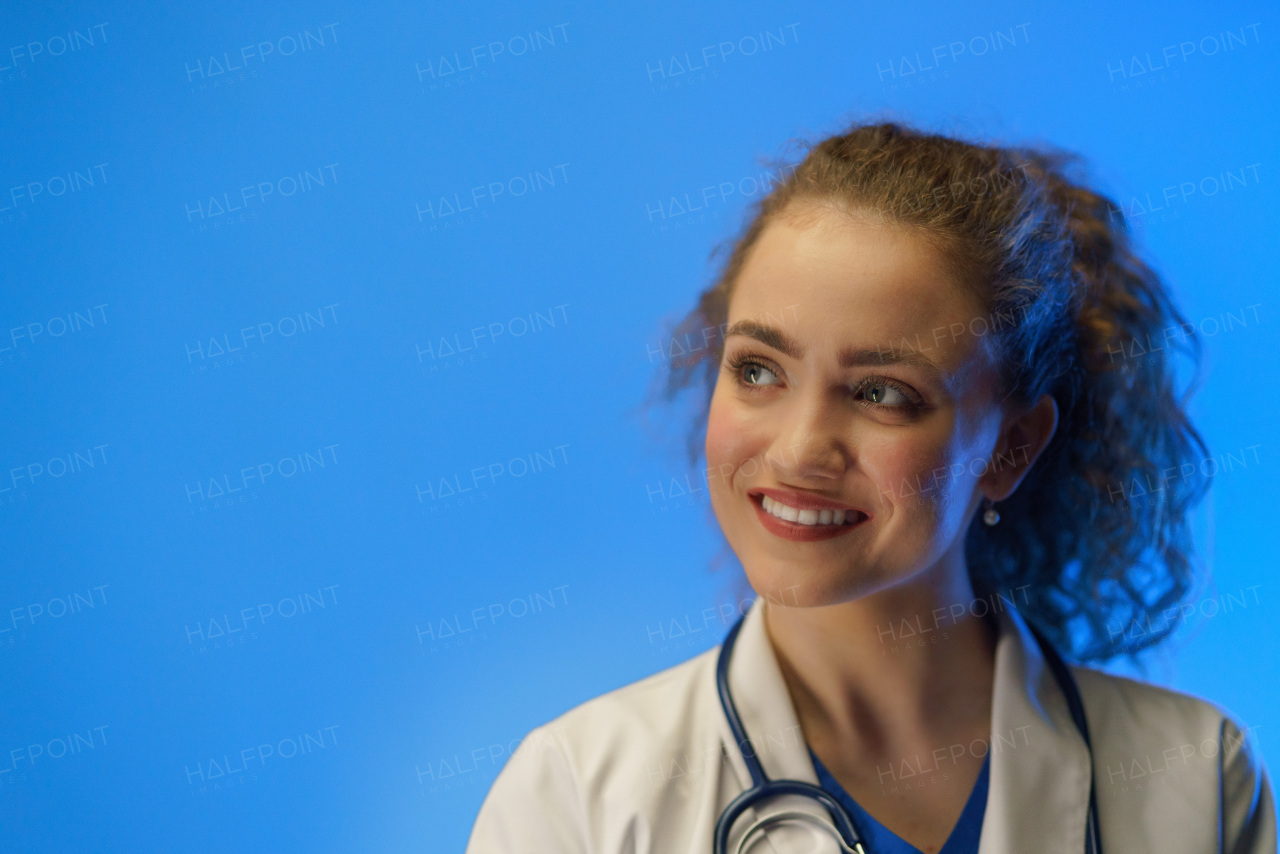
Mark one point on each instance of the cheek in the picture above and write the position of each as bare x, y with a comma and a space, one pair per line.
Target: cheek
935, 493
732, 440
915, 477
719, 438
728, 434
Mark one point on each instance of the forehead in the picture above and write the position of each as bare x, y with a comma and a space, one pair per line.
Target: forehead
848, 279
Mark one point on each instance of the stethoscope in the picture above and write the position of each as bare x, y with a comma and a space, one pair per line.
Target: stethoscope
848, 836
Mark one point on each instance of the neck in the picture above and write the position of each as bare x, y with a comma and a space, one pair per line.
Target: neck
898, 668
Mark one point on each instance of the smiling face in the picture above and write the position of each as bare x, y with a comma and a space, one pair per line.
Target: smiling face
844, 388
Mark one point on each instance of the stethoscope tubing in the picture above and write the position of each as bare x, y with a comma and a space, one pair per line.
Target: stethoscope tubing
762, 787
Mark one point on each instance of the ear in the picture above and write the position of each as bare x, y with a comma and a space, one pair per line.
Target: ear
1023, 438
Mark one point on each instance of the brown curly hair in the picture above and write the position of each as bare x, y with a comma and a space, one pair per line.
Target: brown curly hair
1068, 302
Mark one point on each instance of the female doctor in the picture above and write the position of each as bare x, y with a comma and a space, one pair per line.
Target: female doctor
933, 407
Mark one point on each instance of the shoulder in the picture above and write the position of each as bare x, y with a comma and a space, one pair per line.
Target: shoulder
622, 747
1150, 742
1120, 705
642, 702
637, 729
1121, 698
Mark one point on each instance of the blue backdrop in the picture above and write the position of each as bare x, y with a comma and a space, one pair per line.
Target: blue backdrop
324, 331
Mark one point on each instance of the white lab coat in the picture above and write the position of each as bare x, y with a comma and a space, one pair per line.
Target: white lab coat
648, 768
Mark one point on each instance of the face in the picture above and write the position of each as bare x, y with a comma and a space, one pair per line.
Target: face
850, 387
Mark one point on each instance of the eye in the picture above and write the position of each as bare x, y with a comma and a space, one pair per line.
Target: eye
750, 370
757, 374
886, 394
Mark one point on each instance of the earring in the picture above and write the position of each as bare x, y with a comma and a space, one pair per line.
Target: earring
990, 516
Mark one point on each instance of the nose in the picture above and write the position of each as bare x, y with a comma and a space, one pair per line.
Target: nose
812, 442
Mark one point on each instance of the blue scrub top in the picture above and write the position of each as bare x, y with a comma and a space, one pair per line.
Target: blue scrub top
881, 840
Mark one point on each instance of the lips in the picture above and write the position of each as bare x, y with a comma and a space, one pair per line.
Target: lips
803, 500
798, 531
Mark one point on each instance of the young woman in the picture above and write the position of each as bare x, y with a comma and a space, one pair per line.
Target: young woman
928, 426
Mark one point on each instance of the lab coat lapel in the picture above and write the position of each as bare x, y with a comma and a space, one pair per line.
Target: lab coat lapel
764, 703
769, 718
1040, 766
1038, 793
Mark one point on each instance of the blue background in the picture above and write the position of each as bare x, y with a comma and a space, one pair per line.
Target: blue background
165, 632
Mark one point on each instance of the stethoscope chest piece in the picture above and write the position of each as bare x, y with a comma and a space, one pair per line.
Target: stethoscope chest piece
796, 817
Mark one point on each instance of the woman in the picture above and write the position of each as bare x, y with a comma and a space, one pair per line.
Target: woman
924, 432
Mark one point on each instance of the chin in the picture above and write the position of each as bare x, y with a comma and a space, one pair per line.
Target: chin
798, 587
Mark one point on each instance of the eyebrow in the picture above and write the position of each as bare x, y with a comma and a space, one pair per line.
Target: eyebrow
849, 357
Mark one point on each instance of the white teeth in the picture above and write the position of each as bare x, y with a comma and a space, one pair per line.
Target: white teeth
806, 517
782, 511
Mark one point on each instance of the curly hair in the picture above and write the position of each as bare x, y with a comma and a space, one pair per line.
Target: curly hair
1071, 309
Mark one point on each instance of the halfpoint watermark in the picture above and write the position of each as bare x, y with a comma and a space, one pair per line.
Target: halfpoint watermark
938, 62
446, 492
445, 351
229, 348
482, 61
440, 634
675, 71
